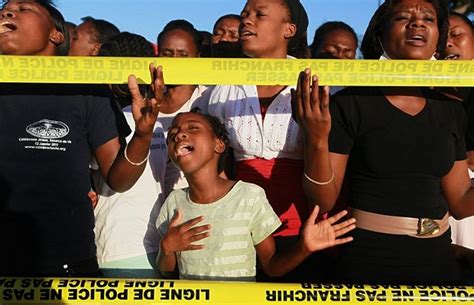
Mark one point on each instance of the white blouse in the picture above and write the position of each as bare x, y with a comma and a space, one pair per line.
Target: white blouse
278, 136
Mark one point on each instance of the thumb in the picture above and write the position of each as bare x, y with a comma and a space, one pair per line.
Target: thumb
314, 215
176, 220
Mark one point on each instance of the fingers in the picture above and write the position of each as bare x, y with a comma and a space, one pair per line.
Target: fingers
314, 215
344, 240
336, 217
133, 87
324, 100
344, 224
176, 220
198, 237
344, 230
194, 247
315, 100
157, 81
306, 90
192, 222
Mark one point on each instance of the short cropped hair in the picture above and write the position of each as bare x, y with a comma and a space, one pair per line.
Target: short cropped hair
104, 29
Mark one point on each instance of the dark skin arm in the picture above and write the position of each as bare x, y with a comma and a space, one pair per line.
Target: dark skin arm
311, 105
457, 190
311, 108
315, 236
120, 174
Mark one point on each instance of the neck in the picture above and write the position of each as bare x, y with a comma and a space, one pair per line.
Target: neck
274, 54
207, 186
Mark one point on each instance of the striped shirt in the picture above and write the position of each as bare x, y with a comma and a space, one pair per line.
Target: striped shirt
240, 220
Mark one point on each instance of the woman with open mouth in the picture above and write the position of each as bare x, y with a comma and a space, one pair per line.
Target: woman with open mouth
401, 150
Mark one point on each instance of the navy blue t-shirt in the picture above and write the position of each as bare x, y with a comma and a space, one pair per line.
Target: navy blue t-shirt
48, 134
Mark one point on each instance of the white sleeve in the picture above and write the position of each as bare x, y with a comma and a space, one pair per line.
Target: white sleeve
219, 96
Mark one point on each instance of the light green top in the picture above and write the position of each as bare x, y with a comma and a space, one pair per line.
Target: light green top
240, 220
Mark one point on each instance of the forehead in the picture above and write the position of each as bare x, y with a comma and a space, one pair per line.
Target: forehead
339, 34
189, 117
175, 34
39, 8
16, 2
256, 4
421, 5
456, 21
228, 22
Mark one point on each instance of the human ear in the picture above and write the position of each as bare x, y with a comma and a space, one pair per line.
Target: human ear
95, 50
56, 37
220, 146
290, 30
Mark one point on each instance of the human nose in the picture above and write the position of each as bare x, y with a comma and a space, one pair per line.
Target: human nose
416, 21
181, 135
226, 37
449, 43
7, 13
246, 20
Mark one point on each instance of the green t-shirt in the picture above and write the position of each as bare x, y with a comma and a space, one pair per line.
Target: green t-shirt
240, 220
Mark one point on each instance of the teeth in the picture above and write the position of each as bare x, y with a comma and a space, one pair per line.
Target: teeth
452, 56
184, 150
6, 27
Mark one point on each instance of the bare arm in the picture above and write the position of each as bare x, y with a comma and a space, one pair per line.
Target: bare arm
311, 106
119, 173
315, 236
458, 191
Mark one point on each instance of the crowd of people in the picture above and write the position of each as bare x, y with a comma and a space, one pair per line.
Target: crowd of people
242, 182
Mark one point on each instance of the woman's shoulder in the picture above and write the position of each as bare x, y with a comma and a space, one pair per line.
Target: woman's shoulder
442, 101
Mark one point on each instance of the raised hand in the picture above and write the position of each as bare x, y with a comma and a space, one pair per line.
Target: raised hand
145, 109
180, 236
310, 106
326, 233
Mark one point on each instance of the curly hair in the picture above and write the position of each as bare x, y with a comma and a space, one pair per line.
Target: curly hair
219, 131
127, 44
371, 47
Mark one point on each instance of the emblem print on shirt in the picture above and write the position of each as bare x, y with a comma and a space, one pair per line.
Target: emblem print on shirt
48, 129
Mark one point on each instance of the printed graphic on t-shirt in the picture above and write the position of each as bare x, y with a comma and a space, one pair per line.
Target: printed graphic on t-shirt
47, 135
158, 141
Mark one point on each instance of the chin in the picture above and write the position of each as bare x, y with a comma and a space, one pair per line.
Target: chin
249, 52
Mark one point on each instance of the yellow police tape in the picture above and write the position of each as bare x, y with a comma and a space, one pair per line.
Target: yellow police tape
150, 291
216, 71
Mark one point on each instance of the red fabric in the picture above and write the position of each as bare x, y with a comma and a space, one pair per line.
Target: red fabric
281, 180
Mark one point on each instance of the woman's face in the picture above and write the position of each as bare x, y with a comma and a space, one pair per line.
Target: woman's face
265, 29
26, 29
177, 43
411, 31
338, 44
226, 30
460, 44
